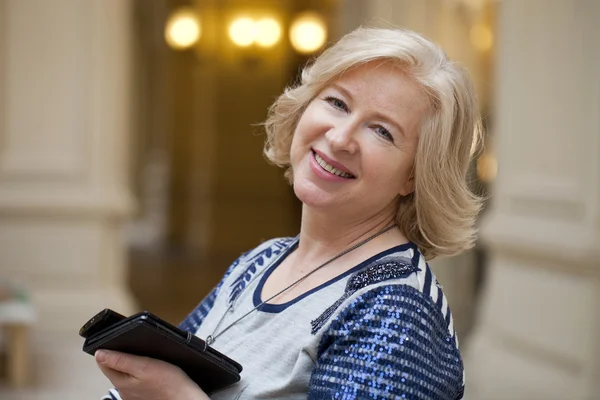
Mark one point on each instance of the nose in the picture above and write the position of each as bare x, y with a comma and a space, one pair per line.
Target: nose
343, 137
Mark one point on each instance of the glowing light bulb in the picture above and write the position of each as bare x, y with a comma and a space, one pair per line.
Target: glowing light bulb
308, 33
183, 29
268, 32
243, 31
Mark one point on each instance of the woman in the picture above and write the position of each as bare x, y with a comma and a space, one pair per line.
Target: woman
376, 140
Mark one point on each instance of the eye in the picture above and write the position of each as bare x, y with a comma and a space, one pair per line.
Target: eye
337, 103
384, 133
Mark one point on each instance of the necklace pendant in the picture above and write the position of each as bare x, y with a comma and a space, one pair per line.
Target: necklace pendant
209, 340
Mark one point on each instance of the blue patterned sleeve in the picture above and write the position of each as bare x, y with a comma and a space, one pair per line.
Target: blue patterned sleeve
391, 342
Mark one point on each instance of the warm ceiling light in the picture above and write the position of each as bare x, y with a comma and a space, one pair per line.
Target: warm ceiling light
268, 32
242, 31
308, 33
183, 29
481, 37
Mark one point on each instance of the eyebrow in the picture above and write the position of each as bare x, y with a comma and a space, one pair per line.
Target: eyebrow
377, 114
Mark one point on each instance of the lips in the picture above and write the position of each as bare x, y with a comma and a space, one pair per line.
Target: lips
331, 166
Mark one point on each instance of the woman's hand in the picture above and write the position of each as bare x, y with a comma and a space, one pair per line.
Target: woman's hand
143, 378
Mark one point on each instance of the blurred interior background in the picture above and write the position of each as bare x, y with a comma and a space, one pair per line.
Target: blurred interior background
132, 175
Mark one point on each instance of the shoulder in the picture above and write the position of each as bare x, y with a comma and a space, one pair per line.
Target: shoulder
261, 255
392, 321
395, 304
398, 277
397, 340
236, 278
249, 264
394, 270
268, 248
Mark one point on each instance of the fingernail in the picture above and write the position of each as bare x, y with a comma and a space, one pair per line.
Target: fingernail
101, 356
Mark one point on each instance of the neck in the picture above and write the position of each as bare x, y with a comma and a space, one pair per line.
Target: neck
323, 235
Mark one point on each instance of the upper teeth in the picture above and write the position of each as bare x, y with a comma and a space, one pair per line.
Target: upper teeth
330, 168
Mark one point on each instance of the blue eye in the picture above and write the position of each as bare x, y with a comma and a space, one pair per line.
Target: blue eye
337, 103
384, 133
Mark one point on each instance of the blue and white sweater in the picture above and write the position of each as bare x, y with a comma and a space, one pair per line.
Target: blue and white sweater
381, 330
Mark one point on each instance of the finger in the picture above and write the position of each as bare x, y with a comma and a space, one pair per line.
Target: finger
122, 362
118, 379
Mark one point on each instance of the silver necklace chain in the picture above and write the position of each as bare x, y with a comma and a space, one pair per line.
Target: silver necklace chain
211, 338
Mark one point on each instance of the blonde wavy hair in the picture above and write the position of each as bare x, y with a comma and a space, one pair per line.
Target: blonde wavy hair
439, 216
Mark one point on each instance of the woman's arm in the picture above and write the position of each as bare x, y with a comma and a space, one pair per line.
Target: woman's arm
390, 342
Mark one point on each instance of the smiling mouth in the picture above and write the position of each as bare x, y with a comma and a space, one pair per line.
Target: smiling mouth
331, 169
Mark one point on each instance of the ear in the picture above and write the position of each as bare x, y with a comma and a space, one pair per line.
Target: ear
408, 187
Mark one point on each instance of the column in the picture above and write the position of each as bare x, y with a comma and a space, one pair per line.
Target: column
540, 322
64, 129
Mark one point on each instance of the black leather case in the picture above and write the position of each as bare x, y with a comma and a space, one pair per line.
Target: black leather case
145, 334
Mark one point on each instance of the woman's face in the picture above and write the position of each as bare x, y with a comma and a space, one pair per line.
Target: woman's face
354, 146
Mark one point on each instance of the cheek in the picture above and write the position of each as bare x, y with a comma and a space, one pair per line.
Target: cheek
300, 134
311, 123
389, 172
303, 137
294, 151
298, 151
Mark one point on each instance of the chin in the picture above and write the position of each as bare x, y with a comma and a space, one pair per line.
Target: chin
310, 194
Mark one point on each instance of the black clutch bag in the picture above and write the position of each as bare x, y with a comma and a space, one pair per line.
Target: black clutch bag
145, 334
